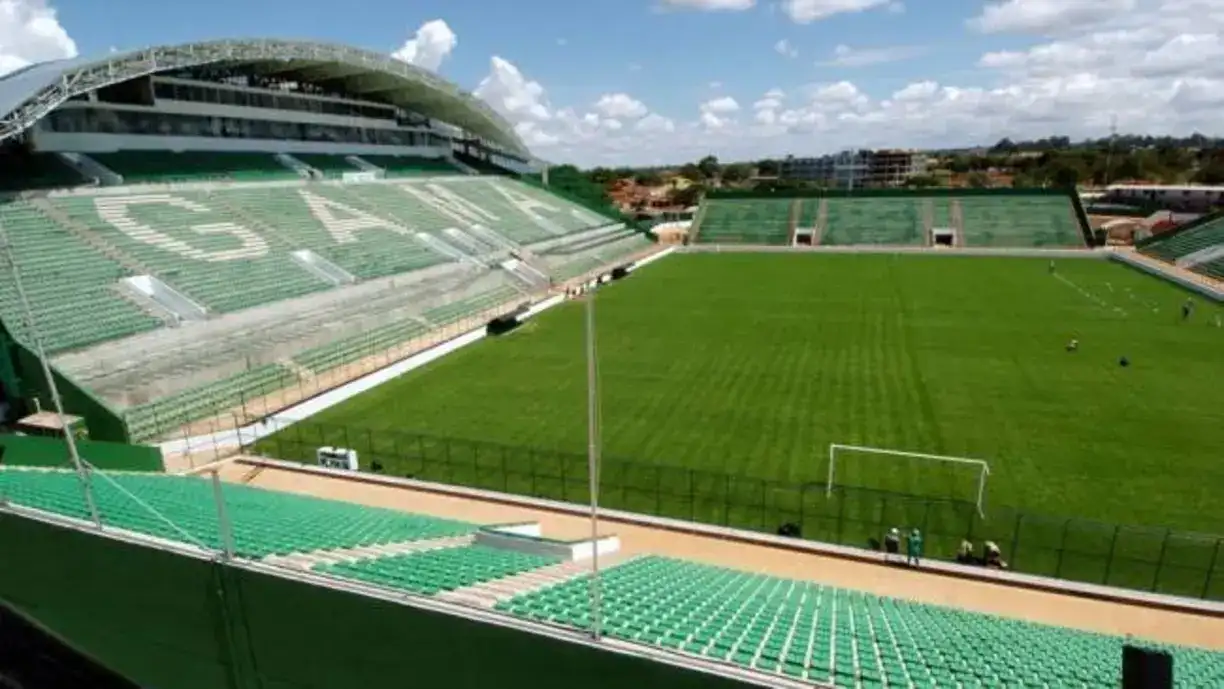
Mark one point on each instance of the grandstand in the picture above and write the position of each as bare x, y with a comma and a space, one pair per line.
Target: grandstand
1197, 246
180, 266
974, 218
770, 625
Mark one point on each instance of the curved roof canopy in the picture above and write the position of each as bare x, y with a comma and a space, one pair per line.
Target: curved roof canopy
30, 93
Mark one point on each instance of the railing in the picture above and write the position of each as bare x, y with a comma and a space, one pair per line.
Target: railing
1158, 560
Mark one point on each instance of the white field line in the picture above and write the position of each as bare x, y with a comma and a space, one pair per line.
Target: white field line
1090, 296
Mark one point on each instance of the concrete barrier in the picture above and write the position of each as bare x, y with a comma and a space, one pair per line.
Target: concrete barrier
527, 538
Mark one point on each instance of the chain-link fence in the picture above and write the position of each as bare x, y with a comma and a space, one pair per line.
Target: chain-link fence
1160, 560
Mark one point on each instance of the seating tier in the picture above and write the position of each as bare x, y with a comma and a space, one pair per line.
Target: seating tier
818, 633
71, 288
1020, 221
410, 166
145, 167
263, 522
188, 239
434, 571
746, 221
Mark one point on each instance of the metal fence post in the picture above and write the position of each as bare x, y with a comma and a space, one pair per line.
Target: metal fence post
1062, 545
692, 498
726, 500
1164, 545
841, 516
1215, 556
802, 503
1015, 544
504, 471
658, 490
1113, 544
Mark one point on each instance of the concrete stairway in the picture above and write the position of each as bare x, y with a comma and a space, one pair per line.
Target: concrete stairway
491, 593
307, 561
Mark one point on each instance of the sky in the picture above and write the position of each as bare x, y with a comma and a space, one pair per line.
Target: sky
654, 82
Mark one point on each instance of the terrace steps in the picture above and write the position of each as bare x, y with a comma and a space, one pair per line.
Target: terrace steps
490, 593
307, 561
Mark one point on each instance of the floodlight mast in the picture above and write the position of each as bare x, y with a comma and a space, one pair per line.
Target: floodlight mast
41, 352
593, 417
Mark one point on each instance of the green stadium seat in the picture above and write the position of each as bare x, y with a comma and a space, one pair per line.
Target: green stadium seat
1020, 221
264, 522
463, 308
350, 349
874, 220
434, 571
164, 414
224, 283
160, 167
330, 165
818, 633
411, 166
1181, 244
745, 221
72, 289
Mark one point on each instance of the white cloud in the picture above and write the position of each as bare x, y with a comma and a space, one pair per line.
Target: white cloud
30, 32
429, 47
620, 105
721, 106
845, 56
808, 11
512, 94
1159, 69
1046, 16
655, 123
708, 5
784, 48
715, 85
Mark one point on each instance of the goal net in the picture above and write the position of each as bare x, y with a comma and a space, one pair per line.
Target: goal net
957, 478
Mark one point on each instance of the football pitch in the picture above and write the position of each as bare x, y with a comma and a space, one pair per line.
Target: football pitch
752, 364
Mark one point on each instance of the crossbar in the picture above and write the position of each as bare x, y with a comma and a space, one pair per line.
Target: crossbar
981, 463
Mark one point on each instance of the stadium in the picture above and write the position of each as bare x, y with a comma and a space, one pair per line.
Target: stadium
313, 380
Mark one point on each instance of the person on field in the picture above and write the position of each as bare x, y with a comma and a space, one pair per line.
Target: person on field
1051, 267
1187, 309
913, 547
965, 555
994, 557
892, 544
1073, 345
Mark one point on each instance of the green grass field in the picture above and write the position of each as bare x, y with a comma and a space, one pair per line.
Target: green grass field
751, 365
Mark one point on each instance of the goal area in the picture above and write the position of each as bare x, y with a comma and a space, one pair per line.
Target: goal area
979, 468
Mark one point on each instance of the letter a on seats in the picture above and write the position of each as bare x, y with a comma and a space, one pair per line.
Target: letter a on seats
530, 207
448, 203
343, 222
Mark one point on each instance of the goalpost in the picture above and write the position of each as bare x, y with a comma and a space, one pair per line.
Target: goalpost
983, 468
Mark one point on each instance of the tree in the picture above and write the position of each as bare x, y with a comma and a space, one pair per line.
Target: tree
688, 196
691, 172
978, 180
922, 181
736, 173
650, 178
709, 167
768, 168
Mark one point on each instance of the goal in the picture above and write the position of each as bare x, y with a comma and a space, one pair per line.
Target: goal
979, 466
